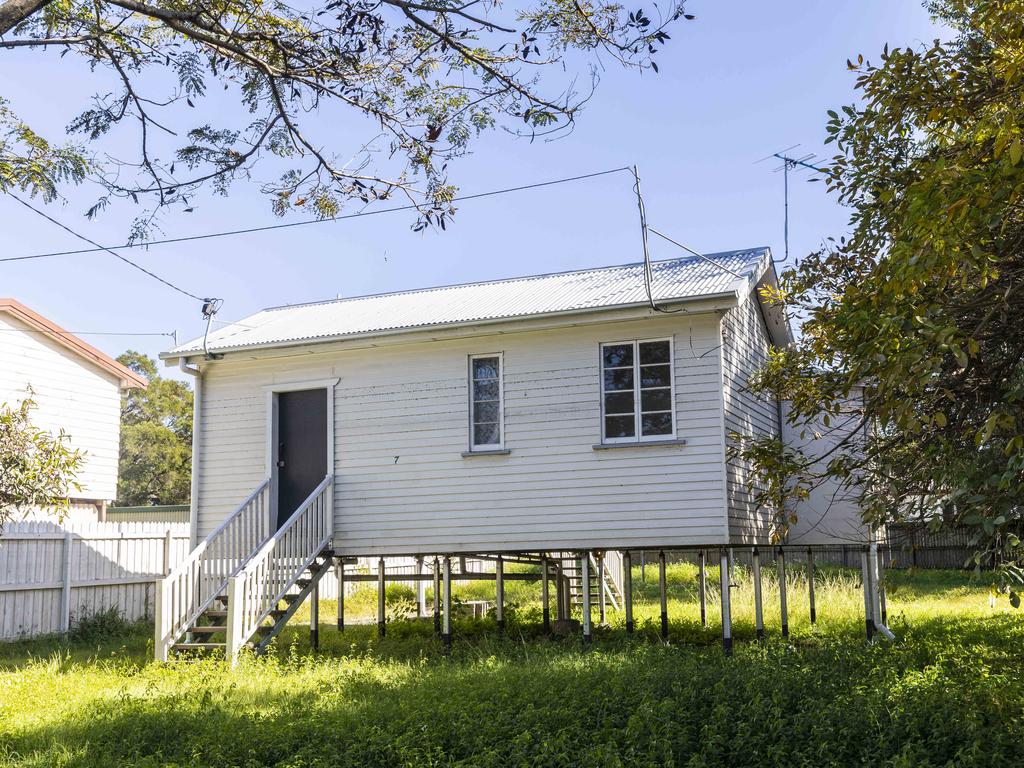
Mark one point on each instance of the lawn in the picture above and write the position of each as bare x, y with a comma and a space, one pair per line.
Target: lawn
950, 691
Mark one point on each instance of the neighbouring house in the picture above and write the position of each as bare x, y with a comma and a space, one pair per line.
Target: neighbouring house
76, 388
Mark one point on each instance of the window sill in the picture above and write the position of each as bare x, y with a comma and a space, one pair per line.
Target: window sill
495, 452
637, 444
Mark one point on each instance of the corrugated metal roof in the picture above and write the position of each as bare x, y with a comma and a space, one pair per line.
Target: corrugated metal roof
606, 287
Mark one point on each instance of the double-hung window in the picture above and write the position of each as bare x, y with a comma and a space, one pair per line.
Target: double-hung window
637, 395
486, 428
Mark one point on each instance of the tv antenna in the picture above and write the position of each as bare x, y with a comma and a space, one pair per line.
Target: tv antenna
790, 163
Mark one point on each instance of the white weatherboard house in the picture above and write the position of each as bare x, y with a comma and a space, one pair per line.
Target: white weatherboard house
76, 388
573, 412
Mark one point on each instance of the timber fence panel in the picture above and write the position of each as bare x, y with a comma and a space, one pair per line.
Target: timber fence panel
52, 575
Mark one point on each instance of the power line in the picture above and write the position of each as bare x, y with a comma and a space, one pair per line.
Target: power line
99, 247
648, 269
304, 222
87, 333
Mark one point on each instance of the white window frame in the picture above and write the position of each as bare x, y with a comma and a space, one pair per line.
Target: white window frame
500, 445
638, 437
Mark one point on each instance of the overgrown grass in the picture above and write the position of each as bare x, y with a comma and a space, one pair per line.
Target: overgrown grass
949, 692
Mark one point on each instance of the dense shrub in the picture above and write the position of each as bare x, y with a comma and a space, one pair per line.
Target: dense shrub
98, 627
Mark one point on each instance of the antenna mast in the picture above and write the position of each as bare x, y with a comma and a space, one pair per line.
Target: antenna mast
790, 163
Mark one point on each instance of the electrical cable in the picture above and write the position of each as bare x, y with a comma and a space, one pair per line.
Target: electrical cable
648, 269
87, 333
99, 247
304, 222
210, 308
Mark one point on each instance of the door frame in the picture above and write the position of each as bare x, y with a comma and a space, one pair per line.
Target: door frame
272, 391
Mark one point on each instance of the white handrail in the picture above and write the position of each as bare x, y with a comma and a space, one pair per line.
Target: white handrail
613, 564
605, 576
188, 590
262, 582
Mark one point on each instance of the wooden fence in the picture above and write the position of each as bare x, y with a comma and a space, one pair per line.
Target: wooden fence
161, 513
51, 575
915, 545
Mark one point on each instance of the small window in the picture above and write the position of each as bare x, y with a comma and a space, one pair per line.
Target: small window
637, 398
486, 406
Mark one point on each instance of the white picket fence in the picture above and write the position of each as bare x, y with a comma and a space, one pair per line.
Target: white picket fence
51, 575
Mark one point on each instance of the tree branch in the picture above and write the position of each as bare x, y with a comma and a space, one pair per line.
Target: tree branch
456, 10
13, 12
488, 68
156, 12
48, 41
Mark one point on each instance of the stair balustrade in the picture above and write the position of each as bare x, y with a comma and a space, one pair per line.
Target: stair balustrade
188, 590
257, 588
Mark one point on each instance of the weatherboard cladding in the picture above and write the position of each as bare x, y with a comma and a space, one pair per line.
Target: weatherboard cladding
745, 347
609, 287
402, 485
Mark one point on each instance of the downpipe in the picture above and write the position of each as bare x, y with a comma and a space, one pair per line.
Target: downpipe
876, 577
197, 402
884, 631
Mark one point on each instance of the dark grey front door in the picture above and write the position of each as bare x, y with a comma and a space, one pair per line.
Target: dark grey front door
301, 447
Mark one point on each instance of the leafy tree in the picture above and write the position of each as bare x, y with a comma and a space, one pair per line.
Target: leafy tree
156, 438
37, 468
921, 304
421, 77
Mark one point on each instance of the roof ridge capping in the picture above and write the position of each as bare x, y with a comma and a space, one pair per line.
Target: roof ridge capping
759, 250
128, 378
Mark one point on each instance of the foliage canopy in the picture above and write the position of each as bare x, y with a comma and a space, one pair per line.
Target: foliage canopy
921, 304
155, 466
421, 78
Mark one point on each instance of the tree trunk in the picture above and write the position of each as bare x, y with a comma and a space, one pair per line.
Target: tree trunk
13, 12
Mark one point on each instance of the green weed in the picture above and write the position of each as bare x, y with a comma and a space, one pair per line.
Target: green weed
949, 692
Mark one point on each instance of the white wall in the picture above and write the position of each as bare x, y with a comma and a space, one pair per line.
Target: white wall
401, 423
71, 394
745, 346
830, 514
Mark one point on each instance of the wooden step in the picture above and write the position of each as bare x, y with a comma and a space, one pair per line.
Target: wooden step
215, 614
209, 629
290, 598
197, 646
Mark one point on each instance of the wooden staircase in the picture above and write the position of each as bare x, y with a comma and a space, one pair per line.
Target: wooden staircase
240, 586
209, 632
601, 580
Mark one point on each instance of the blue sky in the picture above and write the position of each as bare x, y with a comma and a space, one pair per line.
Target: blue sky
743, 80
